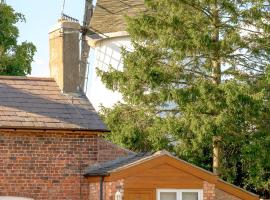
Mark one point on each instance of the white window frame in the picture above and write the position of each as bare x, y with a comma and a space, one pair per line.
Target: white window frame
179, 193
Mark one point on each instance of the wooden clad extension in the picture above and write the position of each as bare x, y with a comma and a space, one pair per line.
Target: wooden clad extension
143, 177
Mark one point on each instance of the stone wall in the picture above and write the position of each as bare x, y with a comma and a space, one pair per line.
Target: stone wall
49, 165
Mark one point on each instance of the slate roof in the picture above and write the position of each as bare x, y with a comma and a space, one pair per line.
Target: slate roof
105, 168
109, 15
38, 103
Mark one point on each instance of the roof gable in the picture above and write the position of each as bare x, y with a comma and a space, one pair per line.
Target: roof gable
38, 103
133, 163
140, 163
163, 176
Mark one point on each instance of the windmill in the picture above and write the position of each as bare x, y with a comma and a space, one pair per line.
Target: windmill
112, 13
85, 48
108, 22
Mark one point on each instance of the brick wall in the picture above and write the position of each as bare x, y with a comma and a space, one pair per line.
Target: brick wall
208, 191
94, 190
48, 165
109, 190
212, 193
221, 195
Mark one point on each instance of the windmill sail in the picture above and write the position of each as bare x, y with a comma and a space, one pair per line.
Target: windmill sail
85, 48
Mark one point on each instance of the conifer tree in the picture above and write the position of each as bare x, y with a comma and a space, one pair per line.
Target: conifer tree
198, 72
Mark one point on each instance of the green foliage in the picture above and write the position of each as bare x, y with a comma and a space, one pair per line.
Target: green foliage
135, 127
15, 59
199, 69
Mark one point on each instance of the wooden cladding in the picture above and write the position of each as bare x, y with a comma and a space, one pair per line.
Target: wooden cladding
163, 176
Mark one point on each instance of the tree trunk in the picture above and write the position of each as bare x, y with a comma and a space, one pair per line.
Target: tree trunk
216, 64
216, 154
216, 74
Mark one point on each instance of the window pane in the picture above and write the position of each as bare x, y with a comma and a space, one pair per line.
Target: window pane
190, 196
168, 196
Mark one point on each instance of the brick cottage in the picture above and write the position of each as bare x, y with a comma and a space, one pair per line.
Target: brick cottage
52, 146
47, 139
49, 131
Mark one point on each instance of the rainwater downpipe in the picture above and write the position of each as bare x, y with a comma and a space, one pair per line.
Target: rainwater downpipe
101, 188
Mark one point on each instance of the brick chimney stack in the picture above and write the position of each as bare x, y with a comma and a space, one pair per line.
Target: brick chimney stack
64, 54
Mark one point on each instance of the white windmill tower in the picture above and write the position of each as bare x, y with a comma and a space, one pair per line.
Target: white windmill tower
106, 37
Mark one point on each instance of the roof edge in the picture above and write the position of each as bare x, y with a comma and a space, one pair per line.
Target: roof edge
88, 175
14, 128
29, 78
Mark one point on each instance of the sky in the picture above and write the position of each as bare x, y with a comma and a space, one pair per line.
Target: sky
41, 15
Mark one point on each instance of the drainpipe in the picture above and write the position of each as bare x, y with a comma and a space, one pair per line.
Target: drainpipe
101, 188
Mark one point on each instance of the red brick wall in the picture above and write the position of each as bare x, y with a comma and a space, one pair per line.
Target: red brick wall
112, 187
212, 193
221, 195
208, 191
94, 190
109, 190
48, 165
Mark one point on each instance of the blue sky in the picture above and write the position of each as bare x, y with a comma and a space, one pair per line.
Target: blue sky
41, 15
